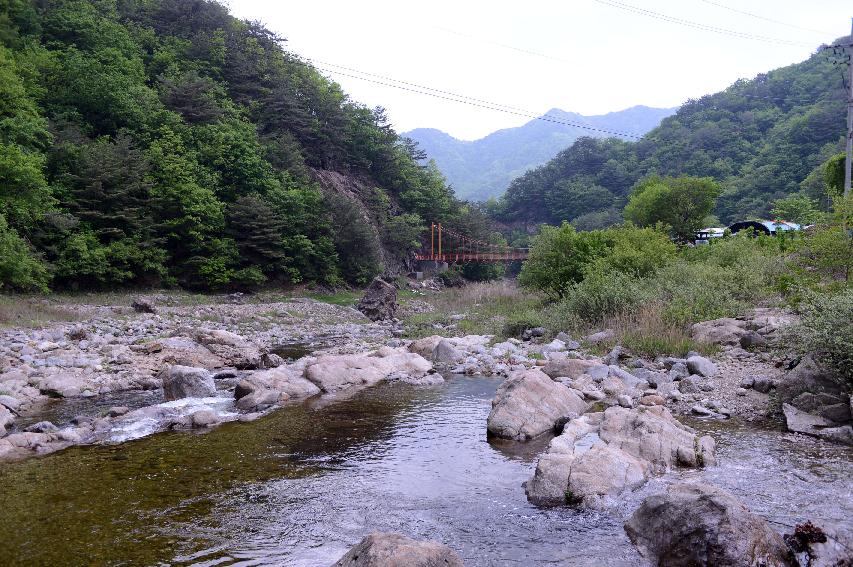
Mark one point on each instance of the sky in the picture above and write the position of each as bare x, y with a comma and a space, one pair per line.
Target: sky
585, 56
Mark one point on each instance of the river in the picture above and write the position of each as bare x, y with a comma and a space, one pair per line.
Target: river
303, 484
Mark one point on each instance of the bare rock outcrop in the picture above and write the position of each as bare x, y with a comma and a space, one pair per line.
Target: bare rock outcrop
379, 302
395, 550
603, 454
333, 373
699, 525
529, 403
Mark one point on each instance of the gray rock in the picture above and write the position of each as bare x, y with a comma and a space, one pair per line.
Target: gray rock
572, 368
395, 550
625, 401
204, 418
814, 389
271, 360
265, 388
801, 422
117, 411
617, 354
143, 305
593, 395
230, 347
446, 353
751, 339
9, 402
186, 382
747, 382
537, 332
699, 525
679, 370
332, 373
379, 302
6, 420
600, 337
762, 384
741, 392
602, 454
701, 366
528, 404
719, 331
42, 427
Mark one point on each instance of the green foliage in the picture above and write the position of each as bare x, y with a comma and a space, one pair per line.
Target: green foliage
180, 149
760, 138
826, 329
598, 296
800, 209
20, 269
559, 257
680, 203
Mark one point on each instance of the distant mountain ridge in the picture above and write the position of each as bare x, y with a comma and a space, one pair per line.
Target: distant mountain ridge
483, 168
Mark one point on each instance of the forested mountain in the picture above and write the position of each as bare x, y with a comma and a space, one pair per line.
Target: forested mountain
483, 168
760, 138
164, 141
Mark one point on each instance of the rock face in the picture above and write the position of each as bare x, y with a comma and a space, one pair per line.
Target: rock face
186, 382
334, 373
698, 525
265, 388
811, 388
602, 454
380, 301
529, 403
230, 347
395, 550
815, 425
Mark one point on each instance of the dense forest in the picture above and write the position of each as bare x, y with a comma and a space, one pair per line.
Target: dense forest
164, 142
761, 139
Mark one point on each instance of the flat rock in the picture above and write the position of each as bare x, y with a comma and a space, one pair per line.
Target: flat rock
332, 373
801, 422
726, 331
230, 347
572, 367
699, 525
265, 388
395, 550
528, 404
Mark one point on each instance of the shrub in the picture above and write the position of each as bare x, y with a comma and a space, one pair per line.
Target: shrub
826, 329
20, 269
598, 296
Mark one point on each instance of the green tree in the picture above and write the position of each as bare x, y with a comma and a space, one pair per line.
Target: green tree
796, 208
681, 203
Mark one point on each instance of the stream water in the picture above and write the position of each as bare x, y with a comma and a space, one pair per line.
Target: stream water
303, 484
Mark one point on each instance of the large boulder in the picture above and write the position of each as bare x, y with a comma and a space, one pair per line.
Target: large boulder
603, 454
63, 385
814, 389
6, 419
572, 367
379, 302
332, 373
529, 403
230, 347
395, 550
186, 382
801, 422
446, 353
726, 331
425, 346
701, 366
265, 388
699, 525
186, 352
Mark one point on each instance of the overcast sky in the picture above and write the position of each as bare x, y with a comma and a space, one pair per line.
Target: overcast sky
586, 56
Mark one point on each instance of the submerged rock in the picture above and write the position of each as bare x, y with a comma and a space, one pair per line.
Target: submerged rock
699, 525
529, 403
379, 302
395, 550
186, 382
602, 454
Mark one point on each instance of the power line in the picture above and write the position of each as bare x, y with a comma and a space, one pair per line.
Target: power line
479, 103
697, 25
504, 45
764, 18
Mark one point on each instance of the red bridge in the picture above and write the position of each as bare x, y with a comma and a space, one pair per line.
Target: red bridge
450, 246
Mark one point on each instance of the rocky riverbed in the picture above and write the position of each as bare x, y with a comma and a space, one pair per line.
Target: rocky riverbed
620, 423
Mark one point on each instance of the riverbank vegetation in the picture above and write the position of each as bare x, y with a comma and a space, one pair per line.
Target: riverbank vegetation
167, 143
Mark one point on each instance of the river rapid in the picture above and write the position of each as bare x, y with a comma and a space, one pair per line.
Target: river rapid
303, 484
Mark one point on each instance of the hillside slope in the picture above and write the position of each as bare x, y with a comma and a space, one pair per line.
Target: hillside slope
149, 142
483, 168
760, 138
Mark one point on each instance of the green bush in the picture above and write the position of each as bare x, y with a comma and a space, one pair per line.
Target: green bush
20, 269
826, 329
598, 296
